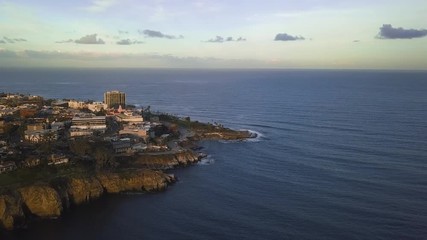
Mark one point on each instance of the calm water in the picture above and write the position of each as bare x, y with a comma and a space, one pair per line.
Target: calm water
342, 155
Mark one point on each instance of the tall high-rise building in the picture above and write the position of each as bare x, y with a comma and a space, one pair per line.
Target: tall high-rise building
115, 99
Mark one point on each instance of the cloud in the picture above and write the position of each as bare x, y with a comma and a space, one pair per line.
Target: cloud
8, 40
12, 40
100, 5
287, 37
90, 39
123, 32
96, 59
157, 34
128, 42
220, 39
65, 41
388, 32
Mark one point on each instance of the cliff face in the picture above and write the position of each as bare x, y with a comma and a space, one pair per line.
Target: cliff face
166, 161
48, 201
145, 180
41, 201
11, 213
81, 190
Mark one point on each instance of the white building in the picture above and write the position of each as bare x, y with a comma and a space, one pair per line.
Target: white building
137, 130
84, 126
97, 106
77, 104
129, 117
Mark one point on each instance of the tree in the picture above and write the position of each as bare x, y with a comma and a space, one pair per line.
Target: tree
80, 147
103, 158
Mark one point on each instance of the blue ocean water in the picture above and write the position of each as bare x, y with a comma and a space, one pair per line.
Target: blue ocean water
341, 155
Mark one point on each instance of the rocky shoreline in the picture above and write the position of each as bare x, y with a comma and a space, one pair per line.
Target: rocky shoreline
49, 200
144, 173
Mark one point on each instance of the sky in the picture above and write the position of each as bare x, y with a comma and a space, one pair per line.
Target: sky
294, 34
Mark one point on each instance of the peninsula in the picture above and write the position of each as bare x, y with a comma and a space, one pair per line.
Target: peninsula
58, 153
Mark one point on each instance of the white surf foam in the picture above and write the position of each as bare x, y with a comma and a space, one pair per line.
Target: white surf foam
258, 138
209, 160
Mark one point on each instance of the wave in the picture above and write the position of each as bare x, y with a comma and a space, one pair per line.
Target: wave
209, 160
258, 138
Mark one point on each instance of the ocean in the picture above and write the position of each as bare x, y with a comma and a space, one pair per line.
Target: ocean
340, 155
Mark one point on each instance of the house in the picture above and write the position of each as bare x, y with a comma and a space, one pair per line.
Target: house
57, 159
31, 161
7, 167
122, 146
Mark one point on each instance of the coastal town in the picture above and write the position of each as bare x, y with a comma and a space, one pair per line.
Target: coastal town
59, 153
36, 131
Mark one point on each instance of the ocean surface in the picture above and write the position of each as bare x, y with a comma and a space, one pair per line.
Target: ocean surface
340, 155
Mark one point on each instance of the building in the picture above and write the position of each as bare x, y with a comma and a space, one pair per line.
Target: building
7, 167
135, 130
75, 132
38, 136
97, 106
56, 126
87, 125
122, 146
129, 118
2, 126
35, 127
27, 112
57, 159
114, 99
89, 122
31, 161
76, 104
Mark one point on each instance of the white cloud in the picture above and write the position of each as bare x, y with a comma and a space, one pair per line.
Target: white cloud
100, 5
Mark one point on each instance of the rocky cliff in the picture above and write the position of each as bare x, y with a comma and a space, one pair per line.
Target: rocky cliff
221, 134
145, 180
165, 160
42, 201
49, 200
11, 213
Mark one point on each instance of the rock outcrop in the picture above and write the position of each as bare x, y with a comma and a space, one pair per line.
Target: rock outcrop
49, 200
41, 201
166, 161
144, 180
11, 213
223, 134
81, 190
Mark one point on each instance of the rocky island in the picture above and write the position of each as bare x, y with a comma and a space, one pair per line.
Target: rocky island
57, 154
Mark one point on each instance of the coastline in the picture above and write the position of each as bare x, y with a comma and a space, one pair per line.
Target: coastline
141, 173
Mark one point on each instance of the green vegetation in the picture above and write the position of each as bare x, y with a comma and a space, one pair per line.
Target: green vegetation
42, 173
186, 122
